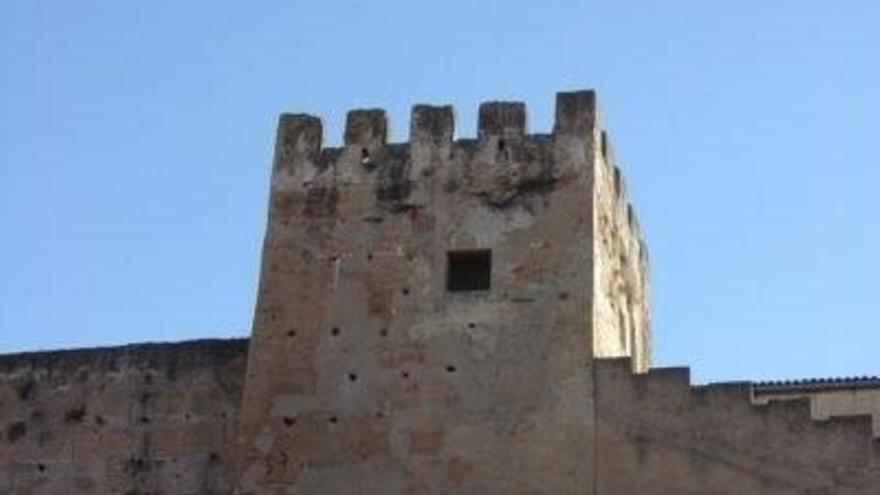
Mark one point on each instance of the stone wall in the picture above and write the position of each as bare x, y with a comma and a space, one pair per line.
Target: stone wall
827, 403
659, 435
366, 374
377, 366
135, 420
621, 291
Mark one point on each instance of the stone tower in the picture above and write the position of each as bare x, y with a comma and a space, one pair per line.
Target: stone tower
428, 312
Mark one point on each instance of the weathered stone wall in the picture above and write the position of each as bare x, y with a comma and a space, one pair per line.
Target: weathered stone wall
826, 404
658, 435
135, 420
621, 291
366, 375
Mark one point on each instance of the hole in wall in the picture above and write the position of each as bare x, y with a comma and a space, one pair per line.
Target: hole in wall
334, 331
291, 333
352, 377
99, 420
145, 420
41, 467
16, 431
405, 374
334, 419
134, 465
405, 291
370, 256
289, 421
501, 145
472, 325
75, 415
450, 368
26, 389
383, 332
469, 270
365, 155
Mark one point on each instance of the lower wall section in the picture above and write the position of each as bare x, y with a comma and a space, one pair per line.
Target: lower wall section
658, 435
135, 420
161, 419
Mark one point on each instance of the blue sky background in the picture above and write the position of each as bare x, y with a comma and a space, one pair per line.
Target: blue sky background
135, 143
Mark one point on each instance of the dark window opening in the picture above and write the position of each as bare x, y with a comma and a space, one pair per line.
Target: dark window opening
469, 270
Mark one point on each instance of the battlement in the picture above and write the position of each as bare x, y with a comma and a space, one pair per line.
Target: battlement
366, 156
513, 157
576, 114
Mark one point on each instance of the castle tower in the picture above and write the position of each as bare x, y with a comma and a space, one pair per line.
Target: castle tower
428, 311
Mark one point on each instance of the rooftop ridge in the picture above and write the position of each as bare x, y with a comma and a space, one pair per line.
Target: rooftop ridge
825, 383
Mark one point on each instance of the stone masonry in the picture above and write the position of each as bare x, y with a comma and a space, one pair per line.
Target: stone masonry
376, 375
441, 316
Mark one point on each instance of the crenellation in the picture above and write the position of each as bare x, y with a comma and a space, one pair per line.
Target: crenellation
300, 159
503, 164
432, 123
432, 133
500, 122
298, 146
365, 138
576, 115
366, 128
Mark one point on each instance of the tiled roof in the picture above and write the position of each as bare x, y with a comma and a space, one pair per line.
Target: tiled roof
815, 384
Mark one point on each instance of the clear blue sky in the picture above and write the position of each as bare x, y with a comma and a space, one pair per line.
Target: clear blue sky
135, 143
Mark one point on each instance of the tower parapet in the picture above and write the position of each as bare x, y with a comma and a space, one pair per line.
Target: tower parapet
502, 163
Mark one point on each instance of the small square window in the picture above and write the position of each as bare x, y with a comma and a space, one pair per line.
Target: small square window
469, 270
